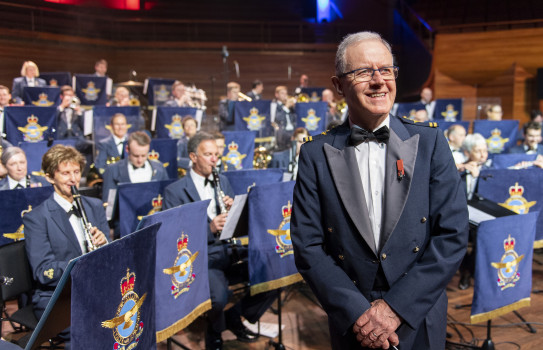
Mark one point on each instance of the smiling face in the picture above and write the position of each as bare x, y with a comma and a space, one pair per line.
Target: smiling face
369, 102
68, 174
532, 138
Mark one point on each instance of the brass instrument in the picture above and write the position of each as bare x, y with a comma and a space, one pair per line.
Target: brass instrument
86, 224
261, 158
243, 97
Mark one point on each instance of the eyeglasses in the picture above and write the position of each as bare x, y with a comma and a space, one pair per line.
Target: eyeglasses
362, 75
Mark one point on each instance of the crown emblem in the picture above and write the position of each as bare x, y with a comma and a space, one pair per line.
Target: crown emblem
32, 119
253, 111
509, 243
43, 96
53, 82
157, 202
496, 132
233, 146
176, 118
516, 190
182, 242
127, 283
286, 210
153, 155
90, 85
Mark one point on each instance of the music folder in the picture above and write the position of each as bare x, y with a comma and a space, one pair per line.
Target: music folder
481, 209
237, 220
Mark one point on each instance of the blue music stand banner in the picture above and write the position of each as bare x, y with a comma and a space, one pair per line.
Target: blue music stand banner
181, 277
443, 125
448, 109
312, 116
165, 151
243, 180
35, 151
41, 96
13, 205
503, 267
314, 93
137, 200
408, 109
253, 116
90, 89
168, 121
517, 190
57, 79
102, 120
239, 151
510, 160
500, 135
271, 257
113, 294
158, 90
30, 124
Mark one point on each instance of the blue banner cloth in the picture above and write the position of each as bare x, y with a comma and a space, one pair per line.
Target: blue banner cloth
271, 258
314, 93
509, 160
312, 116
41, 96
168, 121
448, 109
158, 90
181, 278
137, 200
239, 151
253, 116
30, 124
443, 125
57, 79
408, 109
35, 151
102, 119
13, 205
500, 135
242, 180
165, 151
113, 293
503, 266
517, 190
90, 89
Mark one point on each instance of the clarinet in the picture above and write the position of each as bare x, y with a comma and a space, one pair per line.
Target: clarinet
86, 224
220, 193
27, 180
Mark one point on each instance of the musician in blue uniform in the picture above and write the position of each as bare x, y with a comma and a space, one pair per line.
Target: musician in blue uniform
379, 221
14, 160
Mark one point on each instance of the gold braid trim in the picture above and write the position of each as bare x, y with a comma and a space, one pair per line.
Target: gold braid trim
485, 316
184, 322
275, 284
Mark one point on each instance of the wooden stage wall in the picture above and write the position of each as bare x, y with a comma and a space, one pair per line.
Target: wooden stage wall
490, 64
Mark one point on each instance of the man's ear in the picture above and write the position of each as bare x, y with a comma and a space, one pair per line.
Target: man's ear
49, 179
337, 85
192, 157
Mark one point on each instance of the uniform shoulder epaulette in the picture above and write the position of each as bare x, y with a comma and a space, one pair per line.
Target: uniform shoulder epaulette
427, 124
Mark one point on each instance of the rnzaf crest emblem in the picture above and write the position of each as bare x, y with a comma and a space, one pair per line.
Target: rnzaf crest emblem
449, 114
283, 242
32, 132
181, 271
495, 142
155, 156
516, 202
126, 324
91, 92
311, 120
156, 203
176, 128
254, 121
233, 157
162, 94
508, 274
43, 101
20, 233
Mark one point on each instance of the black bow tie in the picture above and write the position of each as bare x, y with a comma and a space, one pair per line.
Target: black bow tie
360, 135
137, 167
208, 181
73, 211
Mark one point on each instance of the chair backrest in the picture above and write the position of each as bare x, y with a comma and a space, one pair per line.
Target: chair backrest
14, 263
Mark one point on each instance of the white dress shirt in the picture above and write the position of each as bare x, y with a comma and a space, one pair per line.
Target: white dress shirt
120, 143
13, 183
143, 174
75, 221
205, 191
371, 158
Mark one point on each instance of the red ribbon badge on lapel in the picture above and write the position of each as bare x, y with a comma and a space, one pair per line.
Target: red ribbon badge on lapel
400, 170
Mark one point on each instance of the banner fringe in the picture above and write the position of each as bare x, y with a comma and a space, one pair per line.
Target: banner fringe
184, 322
485, 316
275, 284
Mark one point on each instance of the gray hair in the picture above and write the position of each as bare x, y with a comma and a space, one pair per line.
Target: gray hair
10, 152
197, 139
473, 140
353, 39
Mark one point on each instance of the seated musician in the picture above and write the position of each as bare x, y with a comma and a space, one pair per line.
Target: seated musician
196, 186
29, 77
112, 148
256, 91
180, 96
226, 106
284, 119
532, 140
54, 232
14, 160
189, 125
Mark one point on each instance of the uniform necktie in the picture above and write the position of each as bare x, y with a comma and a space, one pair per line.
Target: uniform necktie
360, 135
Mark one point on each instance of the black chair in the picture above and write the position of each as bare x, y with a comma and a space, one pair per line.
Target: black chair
14, 264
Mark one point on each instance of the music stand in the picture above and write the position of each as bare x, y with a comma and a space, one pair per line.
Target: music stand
57, 314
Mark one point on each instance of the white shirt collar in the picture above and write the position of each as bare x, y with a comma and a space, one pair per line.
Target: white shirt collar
385, 122
13, 183
117, 140
64, 204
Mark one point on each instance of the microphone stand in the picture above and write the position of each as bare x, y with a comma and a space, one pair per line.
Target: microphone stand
279, 344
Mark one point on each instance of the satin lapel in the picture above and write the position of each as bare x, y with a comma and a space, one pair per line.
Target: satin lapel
397, 191
60, 218
191, 190
123, 170
346, 176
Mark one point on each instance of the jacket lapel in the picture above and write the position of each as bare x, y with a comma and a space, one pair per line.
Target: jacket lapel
60, 218
346, 176
191, 191
400, 146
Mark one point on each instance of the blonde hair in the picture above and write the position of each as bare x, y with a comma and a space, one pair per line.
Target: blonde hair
27, 64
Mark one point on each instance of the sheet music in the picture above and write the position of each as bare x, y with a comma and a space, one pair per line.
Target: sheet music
87, 122
110, 202
233, 216
477, 216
